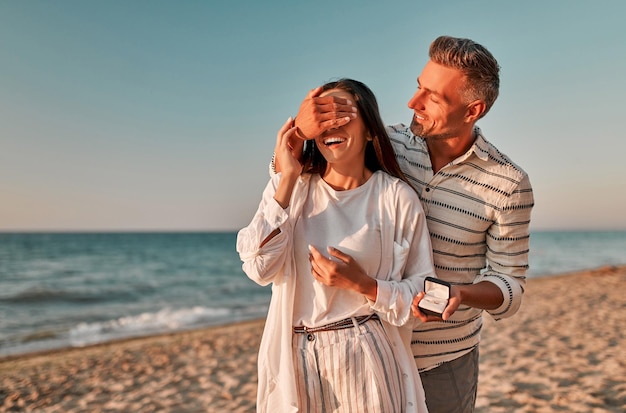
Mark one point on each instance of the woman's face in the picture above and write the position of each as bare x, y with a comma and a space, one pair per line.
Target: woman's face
346, 144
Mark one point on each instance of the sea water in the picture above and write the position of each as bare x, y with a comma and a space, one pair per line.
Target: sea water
74, 289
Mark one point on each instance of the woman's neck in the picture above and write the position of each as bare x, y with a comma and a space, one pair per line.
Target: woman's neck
348, 179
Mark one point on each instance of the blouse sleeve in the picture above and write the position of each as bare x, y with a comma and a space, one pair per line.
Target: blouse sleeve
263, 264
412, 259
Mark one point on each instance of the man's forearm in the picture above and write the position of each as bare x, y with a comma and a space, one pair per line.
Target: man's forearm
483, 295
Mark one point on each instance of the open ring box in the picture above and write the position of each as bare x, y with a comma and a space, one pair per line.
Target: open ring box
436, 298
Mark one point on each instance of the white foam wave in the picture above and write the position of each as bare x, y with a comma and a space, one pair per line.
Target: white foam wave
164, 320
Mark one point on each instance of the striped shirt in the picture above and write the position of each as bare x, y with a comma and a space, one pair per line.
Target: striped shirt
478, 215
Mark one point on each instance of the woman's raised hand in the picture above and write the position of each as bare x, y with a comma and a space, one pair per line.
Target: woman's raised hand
288, 150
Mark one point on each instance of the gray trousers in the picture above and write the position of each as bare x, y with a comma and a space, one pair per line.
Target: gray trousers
451, 387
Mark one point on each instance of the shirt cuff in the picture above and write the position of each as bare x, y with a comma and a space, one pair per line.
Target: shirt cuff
512, 293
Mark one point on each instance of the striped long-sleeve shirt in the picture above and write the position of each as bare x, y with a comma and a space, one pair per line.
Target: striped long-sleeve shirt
478, 214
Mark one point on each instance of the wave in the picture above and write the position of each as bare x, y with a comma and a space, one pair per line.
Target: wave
148, 323
164, 320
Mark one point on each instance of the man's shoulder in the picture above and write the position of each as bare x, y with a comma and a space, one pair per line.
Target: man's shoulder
399, 130
403, 139
497, 161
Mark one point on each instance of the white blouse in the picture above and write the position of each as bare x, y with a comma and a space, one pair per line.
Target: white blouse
344, 220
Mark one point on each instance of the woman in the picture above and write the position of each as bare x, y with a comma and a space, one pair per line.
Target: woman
338, 348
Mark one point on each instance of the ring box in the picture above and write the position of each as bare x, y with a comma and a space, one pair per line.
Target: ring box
436, 298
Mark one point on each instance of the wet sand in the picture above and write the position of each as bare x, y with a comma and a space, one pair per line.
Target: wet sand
563, 352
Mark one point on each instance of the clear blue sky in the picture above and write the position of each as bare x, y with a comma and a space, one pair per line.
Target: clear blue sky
162, 115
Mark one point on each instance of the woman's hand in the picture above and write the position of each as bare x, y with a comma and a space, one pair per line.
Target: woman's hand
289, 161
341, 272
287, 153
287, 137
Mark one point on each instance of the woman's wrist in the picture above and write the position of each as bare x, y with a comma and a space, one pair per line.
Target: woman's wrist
273, 163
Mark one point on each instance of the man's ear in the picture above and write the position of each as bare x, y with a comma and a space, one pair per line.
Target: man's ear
475, 110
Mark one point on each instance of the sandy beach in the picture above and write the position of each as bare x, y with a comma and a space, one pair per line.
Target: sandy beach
563, 352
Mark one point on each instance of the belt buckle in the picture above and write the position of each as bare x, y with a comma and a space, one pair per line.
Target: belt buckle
309, 336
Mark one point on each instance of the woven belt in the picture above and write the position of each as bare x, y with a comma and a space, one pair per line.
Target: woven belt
338, 325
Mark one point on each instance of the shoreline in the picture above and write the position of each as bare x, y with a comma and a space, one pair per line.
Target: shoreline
129, 340
148, 336
563, 351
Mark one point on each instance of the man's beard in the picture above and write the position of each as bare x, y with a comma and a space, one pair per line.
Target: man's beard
418, 130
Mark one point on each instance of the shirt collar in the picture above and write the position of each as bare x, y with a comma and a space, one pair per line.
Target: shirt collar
478, 148
480, 145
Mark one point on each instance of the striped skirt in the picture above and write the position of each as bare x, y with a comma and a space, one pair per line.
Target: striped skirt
348, 370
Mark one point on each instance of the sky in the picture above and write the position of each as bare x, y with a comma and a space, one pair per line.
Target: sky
151, 115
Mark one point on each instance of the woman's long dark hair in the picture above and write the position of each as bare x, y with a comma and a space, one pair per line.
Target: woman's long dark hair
379, 154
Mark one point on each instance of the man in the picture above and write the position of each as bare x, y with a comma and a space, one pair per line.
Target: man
478, 205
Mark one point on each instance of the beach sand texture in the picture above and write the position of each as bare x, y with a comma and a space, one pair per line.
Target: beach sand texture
563, 352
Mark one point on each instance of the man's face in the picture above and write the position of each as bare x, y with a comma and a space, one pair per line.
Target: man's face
438, 107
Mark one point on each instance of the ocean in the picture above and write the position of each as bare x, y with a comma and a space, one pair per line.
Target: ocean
75, 289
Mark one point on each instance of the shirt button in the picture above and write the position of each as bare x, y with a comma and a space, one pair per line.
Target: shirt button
427, 189
410, 403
